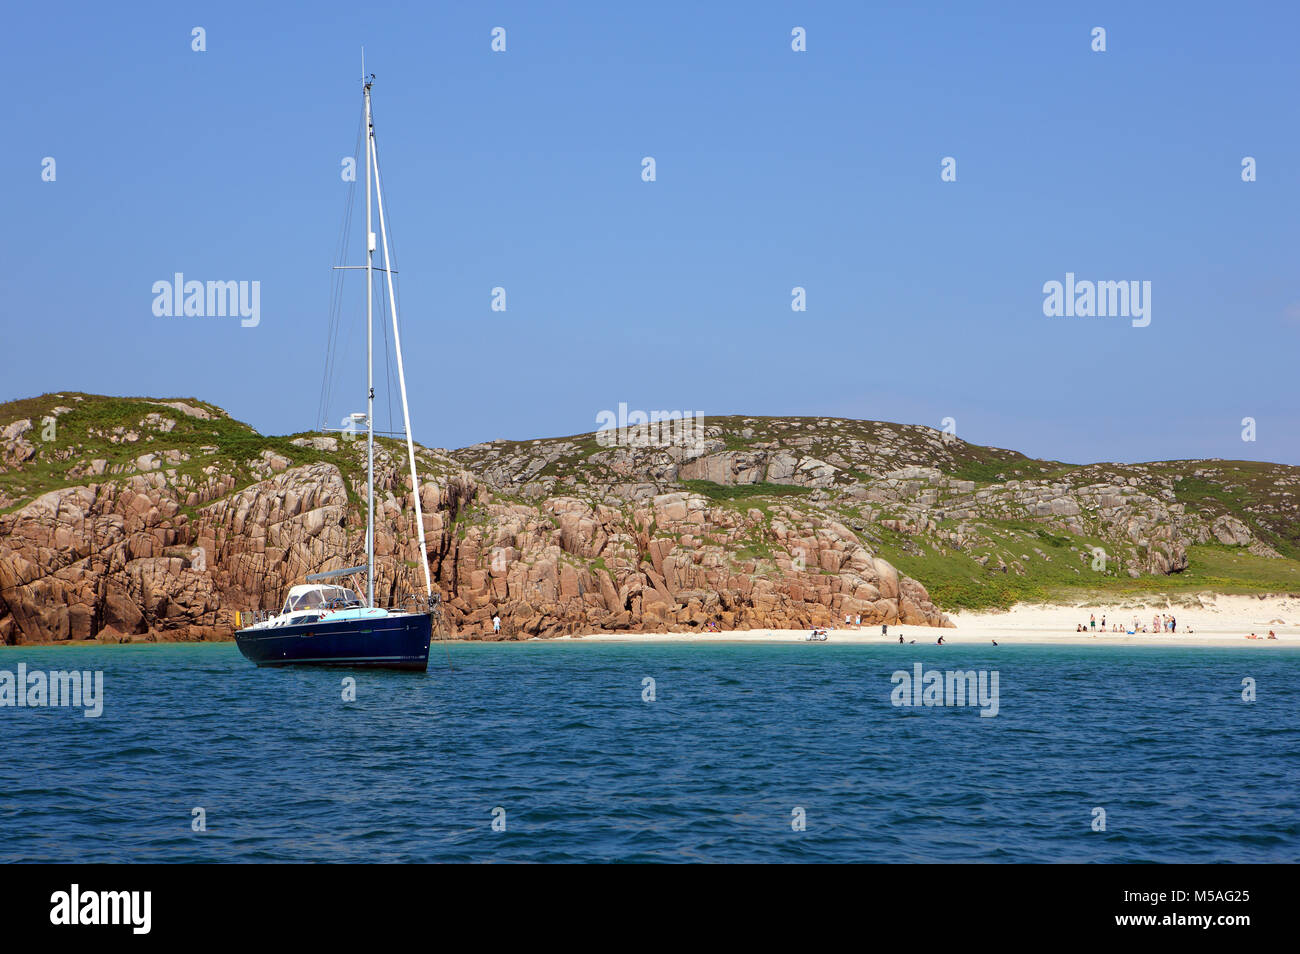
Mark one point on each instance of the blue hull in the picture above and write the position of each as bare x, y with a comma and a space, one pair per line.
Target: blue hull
392, 642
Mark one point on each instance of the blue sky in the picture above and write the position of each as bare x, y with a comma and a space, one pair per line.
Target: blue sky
774, 169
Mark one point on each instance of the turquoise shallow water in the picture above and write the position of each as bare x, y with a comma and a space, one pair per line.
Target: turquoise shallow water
738, 737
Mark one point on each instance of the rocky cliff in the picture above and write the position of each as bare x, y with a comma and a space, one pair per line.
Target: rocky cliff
126, 519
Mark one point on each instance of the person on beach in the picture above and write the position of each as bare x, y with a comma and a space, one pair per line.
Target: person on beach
884, 630
1103, 622
1272, 635
1173, 625
857, 621
1092, 621
496, 625
900, 640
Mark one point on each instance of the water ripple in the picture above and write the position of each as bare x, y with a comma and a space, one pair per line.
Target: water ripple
743, 744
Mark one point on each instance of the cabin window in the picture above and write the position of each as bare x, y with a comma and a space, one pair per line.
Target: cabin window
309, 600
319, 597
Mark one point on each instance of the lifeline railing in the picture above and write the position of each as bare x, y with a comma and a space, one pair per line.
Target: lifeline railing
412, 602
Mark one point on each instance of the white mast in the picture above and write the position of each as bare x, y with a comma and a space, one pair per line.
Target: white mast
370, 370
373, 158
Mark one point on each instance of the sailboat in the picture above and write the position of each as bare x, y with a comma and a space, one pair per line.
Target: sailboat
322, 623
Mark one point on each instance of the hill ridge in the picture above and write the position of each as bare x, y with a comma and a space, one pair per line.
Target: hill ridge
754, 521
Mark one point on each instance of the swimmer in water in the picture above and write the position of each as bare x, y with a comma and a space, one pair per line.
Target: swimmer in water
940, 643
995, 642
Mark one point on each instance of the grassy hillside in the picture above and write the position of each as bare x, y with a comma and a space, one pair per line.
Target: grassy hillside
979, 526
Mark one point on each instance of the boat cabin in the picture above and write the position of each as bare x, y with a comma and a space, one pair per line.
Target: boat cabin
307, 596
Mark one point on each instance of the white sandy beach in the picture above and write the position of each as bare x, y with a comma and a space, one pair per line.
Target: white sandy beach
1212, 621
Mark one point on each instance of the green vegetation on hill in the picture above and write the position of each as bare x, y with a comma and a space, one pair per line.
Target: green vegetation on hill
955, 581
739, 492
904, 490
119, 431
1248, 490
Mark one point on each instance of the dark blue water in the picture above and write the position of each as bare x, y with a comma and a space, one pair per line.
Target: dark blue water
738, 737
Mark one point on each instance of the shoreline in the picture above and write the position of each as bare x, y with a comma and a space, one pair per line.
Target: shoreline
922, 636
1216, 621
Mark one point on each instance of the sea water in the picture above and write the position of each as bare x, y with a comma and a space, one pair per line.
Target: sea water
583, 751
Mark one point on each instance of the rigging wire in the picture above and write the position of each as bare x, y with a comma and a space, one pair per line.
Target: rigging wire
343, 247
388, 367
383, 291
